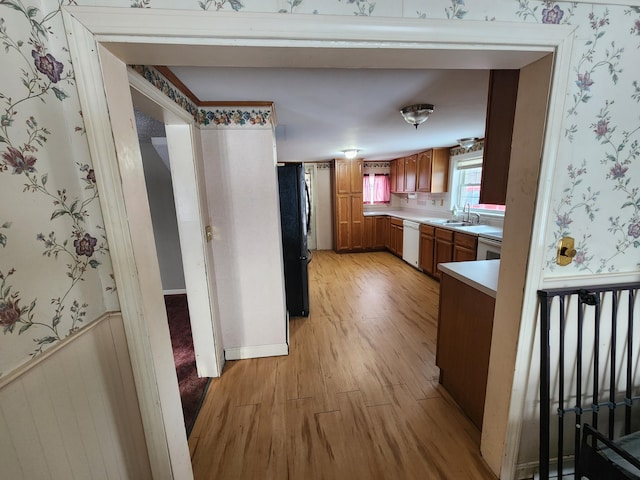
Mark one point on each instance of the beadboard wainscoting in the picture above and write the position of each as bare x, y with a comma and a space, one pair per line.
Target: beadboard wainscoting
73, 411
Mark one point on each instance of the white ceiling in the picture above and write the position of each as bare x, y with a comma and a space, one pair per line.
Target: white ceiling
322, 111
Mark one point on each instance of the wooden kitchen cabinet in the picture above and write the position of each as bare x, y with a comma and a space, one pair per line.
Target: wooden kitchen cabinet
376, 232
349, 226
427, 246
464, 247
396, 231
410, 170
393, 176
464, 342
443, 249
400, 180
501, 109
433, 170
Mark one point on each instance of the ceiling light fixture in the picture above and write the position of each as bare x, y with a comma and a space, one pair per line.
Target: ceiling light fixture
417, 114
467, 143
351, 153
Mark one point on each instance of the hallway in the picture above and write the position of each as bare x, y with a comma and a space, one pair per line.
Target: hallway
358, 395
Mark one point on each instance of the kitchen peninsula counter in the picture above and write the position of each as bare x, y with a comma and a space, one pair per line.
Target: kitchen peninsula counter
465, 328
481, 274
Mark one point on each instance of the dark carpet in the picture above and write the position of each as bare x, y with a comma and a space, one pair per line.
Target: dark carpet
192, 388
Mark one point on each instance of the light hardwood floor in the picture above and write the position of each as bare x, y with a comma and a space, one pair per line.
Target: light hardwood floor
358, 395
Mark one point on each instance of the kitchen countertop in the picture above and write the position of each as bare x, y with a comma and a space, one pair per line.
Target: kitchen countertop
477, 229
480, 274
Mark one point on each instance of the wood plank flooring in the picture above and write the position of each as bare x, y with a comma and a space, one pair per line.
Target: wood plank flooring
358, 395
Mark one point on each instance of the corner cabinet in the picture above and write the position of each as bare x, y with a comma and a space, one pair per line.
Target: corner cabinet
501, 110
347, 206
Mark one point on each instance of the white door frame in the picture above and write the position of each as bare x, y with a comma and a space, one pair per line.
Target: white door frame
192, 215
132, 35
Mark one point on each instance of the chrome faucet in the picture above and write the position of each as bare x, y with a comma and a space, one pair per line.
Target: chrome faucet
466, 208
467, 218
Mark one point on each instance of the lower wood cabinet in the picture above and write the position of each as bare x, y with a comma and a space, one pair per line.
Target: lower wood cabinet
465, 328
443, 249
396, 231
349, 223
441, 245
464, 247
427, 245
376, 232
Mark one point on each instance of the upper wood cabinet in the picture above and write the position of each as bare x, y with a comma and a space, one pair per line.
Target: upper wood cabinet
393, 176
501, 109
400, 180
426, 171
410, 170
433, 170
348, 176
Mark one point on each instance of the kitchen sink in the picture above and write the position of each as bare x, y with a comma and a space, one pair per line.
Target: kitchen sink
457, 223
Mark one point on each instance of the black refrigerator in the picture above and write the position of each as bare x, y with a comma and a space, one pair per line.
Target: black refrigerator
294, 220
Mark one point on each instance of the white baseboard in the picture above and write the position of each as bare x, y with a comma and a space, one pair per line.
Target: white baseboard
177, 291
240, 353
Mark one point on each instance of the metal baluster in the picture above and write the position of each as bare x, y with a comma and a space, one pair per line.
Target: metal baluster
545, 313
629, 391
578, 412
612, 370
561, 388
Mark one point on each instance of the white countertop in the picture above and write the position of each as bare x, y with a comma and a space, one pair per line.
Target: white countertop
481, 274
480, 230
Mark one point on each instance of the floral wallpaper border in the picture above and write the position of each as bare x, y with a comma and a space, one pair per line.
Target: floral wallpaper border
219, 117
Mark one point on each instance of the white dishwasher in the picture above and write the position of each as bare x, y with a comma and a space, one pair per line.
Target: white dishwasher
410, 242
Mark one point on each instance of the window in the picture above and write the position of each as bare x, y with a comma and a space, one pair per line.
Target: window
466, 187
376, 189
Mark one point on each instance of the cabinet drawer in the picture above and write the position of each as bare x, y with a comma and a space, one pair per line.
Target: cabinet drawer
464, 240
444, 234
427, 230
396, 221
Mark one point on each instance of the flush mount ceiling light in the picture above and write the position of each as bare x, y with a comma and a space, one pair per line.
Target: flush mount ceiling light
351, 153
417, 114
467, 143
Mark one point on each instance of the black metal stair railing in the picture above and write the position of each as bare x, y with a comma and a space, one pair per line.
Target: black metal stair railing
571, 375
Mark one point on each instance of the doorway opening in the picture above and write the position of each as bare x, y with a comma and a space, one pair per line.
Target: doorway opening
410, 41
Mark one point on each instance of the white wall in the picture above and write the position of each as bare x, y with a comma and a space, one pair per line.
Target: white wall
242, 191
73, 413
324, 212
163, 216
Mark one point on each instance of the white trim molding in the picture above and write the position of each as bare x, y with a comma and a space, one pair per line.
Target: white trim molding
258, 351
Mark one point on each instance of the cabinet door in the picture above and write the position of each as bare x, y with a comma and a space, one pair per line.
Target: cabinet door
399, 239
342, 177
464, 247
400, 175
501, 109
410, 169
393, 176
381, 229
443, 252
423, 176
427, 245
355, 175
368, 237
440, 170
357, 223
343, 222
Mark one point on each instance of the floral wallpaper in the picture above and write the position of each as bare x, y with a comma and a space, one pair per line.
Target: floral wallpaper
219, 117
55, 272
